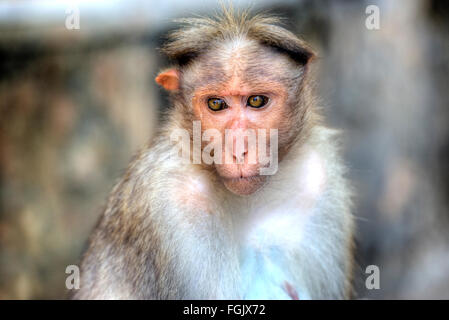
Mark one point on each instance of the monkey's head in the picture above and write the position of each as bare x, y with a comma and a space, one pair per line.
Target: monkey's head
241, 78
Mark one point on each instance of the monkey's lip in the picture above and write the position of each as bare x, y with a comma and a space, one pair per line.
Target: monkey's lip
244, 185
242, 178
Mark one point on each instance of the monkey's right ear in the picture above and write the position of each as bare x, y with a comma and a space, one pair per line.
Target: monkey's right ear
169, 79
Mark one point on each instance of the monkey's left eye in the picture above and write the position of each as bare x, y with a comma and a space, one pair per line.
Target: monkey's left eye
216, 104
257, 101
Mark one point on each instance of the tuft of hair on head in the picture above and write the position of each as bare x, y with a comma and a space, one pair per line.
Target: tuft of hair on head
196, 35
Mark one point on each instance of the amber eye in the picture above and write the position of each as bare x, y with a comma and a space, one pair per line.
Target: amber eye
257, 101
216, 104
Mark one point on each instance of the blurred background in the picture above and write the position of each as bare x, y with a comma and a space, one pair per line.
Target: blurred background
76, 104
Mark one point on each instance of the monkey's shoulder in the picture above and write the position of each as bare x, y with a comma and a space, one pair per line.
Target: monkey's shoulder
159, 178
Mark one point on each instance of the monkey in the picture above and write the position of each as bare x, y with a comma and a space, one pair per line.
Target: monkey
175, 228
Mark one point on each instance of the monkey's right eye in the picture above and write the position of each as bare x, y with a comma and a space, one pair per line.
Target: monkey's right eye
216, 104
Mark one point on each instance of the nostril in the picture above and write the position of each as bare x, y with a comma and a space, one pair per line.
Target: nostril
240, 157
241, 153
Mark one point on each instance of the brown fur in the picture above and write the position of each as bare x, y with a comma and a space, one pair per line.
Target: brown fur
163, 236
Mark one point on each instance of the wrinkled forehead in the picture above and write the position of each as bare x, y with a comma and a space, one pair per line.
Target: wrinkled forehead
244, 63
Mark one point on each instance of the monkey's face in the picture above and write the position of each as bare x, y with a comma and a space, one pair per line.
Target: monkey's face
242, 120
240, 94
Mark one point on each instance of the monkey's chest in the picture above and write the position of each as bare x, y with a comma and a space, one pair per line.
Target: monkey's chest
267, 275
269, 263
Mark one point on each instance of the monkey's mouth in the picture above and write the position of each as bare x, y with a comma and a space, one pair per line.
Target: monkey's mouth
244, 185
242, 178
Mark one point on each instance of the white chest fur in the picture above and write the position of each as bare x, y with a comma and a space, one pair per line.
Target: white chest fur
268, 239
272, 232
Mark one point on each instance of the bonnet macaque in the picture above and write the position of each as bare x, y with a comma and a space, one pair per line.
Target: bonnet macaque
268, 218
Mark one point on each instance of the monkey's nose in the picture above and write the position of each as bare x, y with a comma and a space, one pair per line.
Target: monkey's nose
239, 157
240, 151
239, 145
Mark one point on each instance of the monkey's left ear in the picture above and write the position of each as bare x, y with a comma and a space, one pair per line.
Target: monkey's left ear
169, 79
